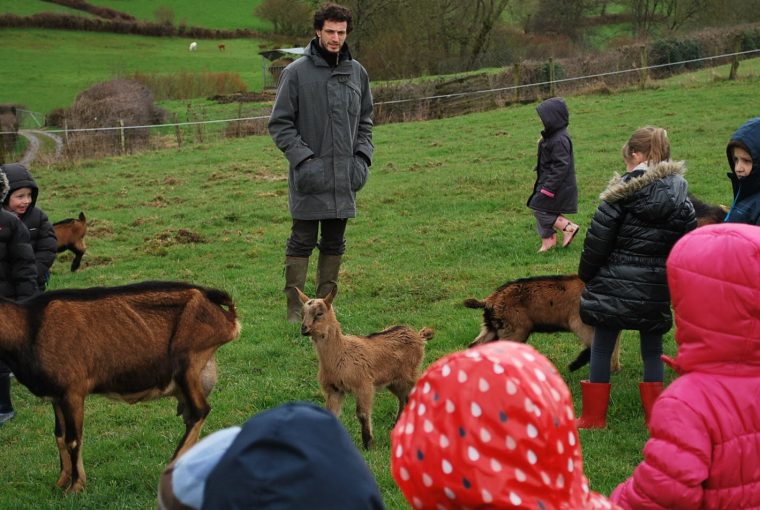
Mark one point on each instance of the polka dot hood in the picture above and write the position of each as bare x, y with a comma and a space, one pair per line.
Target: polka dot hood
491, 427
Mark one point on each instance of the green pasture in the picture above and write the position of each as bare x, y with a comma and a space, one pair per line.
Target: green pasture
46, 69
442, 218
29, 7
230, 14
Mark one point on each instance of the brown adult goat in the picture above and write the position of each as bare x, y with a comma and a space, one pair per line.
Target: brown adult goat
133, 343
69, 234
361, 364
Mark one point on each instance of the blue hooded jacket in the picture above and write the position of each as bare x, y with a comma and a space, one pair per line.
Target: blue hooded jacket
746, 206
295, 456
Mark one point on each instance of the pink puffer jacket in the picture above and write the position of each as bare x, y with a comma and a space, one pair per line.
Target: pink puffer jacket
704, 450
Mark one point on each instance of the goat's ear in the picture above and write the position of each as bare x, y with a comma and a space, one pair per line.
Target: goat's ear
303, 297
329, 298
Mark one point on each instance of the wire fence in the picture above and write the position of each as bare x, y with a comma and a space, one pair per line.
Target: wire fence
392, 104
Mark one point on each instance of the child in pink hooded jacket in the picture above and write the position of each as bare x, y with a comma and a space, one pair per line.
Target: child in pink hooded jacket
704, 446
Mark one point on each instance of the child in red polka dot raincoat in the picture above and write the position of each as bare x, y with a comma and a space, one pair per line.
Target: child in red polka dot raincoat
491, 427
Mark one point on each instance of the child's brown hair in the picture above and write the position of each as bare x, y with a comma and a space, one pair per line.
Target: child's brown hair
651, 141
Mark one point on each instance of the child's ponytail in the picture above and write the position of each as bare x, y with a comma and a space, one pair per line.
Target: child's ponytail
650, 141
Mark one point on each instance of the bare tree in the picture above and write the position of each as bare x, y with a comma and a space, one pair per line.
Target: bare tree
644, 15
680, 12
487, 13
288, 17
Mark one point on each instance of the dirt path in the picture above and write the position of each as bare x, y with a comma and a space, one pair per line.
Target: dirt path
34, 150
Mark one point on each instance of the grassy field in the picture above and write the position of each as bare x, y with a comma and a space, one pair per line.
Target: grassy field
229, 14
29, 7
50, 67
443, 218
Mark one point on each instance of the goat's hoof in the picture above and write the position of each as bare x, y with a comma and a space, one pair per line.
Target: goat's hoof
63, 481
368, 444
75, 488
616, 369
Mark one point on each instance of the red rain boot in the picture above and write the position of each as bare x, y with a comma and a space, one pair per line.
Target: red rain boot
596, 398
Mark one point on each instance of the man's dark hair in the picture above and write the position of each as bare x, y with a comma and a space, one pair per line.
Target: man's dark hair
333, 12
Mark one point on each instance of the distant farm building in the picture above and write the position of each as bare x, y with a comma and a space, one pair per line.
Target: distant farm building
276, 61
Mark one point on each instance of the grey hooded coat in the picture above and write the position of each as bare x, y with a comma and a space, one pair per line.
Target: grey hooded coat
321, 120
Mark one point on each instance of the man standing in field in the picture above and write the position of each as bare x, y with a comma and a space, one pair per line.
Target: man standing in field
322, 121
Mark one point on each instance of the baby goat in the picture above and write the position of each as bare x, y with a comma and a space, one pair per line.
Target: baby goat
360, 365
69, 234
134, 343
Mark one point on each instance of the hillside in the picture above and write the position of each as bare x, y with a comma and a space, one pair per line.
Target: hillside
230, 14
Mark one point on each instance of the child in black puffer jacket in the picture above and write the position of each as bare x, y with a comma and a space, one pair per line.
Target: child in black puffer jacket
18, 277
22, 201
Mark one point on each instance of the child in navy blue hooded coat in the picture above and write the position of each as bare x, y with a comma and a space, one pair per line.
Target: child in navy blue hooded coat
743, 153
292, 457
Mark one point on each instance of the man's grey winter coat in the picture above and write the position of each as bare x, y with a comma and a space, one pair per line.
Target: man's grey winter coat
322, 121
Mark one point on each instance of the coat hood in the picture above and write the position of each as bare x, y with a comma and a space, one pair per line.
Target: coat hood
553, 114
652, 194
714, 280
491, 427
19, 177
294, 456
749, 136
4, 186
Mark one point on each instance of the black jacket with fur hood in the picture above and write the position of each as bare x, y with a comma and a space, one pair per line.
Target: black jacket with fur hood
41, 232
17, 270
642, 215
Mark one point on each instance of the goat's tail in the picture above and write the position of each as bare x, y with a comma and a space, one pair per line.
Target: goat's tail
427, 333
583, 358
474, 303
224, 300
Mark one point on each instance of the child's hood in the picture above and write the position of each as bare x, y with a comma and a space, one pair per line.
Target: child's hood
19, 177
553, 114
714, 281
749, 136
4, 186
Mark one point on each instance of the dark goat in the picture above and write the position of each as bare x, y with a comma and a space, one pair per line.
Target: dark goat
70, 236
540, 304
133, 343
708, 214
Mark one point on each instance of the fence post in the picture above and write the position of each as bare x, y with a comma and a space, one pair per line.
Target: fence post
735, 62
551, 76
644, 72
121, 135
516, 69
66, 130
177, 130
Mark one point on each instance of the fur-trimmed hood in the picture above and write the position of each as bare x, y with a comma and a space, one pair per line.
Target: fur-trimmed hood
19, 177
4, 186
652, 194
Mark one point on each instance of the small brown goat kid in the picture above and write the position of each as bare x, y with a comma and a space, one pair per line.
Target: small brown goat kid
69, 234
133, 343
362, 364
